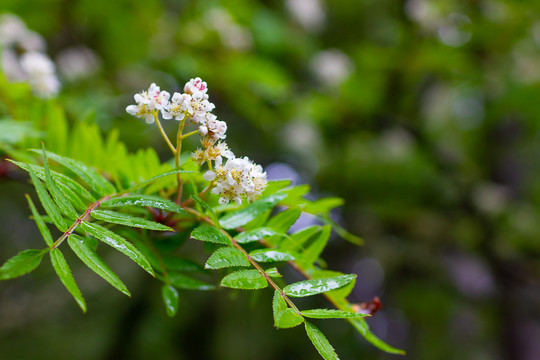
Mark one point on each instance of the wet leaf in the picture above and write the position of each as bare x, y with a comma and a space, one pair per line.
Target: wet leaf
245, 215
128, 220
64, 273
143, 201
22, 263
332, 314
317, 286
245, 279
211, 234
83, 249
320, 342
170, 299
226, 257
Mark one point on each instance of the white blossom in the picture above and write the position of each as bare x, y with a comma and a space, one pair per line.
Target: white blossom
236, 179
196, 85
199, 107
179, 105
148, 101
39, 69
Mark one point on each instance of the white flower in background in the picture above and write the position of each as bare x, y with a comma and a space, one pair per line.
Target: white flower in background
148, 101
309, 13
196, 85
238, 178
231, 34
11, 66
12, 30
41, 76
77, 63
332, 67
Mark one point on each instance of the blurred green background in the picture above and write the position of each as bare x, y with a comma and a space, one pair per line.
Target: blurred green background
424, 115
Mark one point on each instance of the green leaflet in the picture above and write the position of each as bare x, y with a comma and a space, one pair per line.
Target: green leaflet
317, 286
361, 326
64, 273
245, 215
143, 201
128, 220
315, 248
323, 206
22, 263
119, 243
89, 175
170, 299
287, 318
50, 207
338, 294
276, 185
84, 251
284, 317
320, 342
273, 272
226, 257
245, 279
45, 233
281, 223
256, 235
296, 241
211, 234
181, 281
207, 209
59, 198
284, 220
270, 255
332, 314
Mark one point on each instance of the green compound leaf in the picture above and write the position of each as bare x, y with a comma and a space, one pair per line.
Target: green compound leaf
119, 243
170, 299
43, 229
320, 342
332, 314
59, 198
317, 286
143, 201
245, 279
211, 234
83, 249
181, 281
270, 255
22, 263
128, 220
361, 326
243, 216
226, 257
64, 273
50, 207
256, 235
89, 175
284, 317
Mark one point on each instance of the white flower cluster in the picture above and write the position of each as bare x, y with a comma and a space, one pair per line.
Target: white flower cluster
238, 178
33, 66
